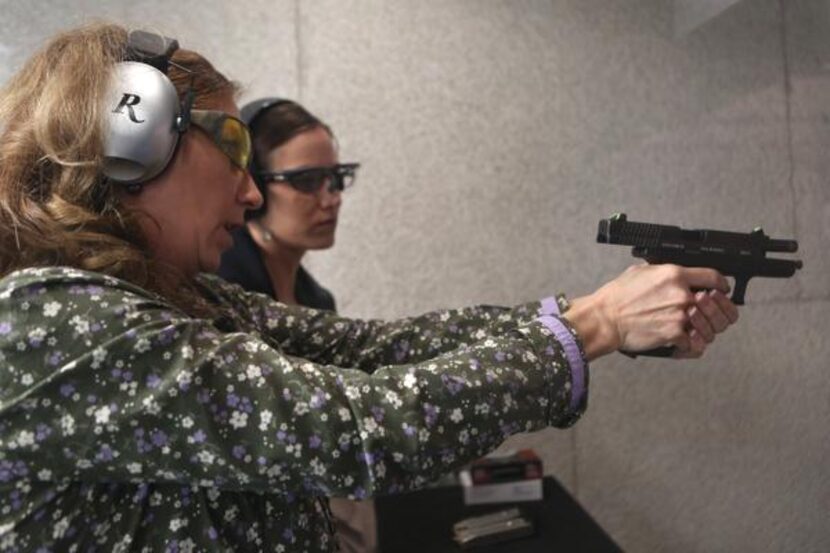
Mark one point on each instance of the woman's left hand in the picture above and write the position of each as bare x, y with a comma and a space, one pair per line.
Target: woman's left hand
711, 314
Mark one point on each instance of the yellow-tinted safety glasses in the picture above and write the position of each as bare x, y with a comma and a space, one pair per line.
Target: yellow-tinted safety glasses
228, 133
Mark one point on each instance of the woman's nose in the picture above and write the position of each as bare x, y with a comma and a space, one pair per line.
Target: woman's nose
249, 194
330, 197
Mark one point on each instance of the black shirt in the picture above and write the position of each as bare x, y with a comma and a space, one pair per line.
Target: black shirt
242, 264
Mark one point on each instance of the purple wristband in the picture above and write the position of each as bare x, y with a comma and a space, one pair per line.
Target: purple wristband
548, 316
549, 306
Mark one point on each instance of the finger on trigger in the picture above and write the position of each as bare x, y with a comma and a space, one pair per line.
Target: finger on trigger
705, 278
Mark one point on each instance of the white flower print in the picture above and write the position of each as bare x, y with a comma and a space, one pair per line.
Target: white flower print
187, 352
151, 405
80, 324
184, 377
25, 438
239, 419
206, 457
102, 415
231, 514
60, 528
464, 436
318, 468
51, 309
99, 354
68, 424
370, 425
265, 418
177, 523
410, 380
123, 546
394, 399
143, 345
253, 372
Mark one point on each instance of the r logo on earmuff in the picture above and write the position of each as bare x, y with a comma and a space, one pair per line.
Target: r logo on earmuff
128, 101
144, 116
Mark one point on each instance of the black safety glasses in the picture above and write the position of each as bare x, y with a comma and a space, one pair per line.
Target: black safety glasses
228, 133
311, 179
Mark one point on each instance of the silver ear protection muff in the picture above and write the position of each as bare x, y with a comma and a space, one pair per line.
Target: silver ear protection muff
144, 117
141, 133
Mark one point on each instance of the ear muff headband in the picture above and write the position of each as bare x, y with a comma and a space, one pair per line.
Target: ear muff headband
144, 117
249, 113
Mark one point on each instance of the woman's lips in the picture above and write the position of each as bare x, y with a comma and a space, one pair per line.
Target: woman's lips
326, 224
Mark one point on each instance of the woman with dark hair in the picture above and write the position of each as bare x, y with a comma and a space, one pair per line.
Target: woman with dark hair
147, 405
296, 167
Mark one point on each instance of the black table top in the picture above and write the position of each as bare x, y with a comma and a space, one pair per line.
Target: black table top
422, 522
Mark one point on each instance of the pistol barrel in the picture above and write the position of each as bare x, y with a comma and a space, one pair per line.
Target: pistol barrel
787, 246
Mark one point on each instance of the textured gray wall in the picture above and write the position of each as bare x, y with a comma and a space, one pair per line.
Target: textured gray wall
494, 135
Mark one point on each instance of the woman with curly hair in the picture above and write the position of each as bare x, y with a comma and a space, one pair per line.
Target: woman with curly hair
146, 405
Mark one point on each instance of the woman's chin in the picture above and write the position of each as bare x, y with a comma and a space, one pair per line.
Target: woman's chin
321, 243
210, 263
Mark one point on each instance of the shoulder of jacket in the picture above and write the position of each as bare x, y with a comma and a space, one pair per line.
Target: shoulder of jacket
63, 277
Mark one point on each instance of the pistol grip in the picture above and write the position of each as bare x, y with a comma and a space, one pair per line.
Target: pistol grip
740, 290
665, 351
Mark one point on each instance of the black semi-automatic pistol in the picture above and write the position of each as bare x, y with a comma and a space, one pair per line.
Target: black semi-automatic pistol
738, 255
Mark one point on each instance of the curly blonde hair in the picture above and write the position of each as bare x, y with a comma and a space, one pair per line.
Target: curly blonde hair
56, 207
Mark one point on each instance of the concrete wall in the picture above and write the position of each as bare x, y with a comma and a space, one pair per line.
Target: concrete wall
494, 135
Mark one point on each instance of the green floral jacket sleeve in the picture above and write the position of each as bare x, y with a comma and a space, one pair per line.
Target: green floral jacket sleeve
108, 391
325, 337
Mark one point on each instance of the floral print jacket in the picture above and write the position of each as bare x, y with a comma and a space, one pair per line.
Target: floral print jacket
126, 425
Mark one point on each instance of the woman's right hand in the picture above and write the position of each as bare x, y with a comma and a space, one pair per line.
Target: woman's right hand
650, 306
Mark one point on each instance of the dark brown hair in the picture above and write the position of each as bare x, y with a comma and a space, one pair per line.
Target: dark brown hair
273, 127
